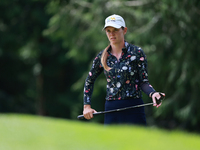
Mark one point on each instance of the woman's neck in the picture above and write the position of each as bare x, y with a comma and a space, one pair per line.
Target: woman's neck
117, 49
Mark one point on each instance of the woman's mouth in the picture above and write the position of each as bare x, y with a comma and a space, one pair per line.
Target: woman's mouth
112, 38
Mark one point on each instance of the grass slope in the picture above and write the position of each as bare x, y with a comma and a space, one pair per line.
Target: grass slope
25, 132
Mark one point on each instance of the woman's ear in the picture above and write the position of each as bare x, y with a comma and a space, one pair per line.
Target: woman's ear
125, 30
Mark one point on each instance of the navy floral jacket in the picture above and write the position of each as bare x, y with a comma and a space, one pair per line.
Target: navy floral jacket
125, 78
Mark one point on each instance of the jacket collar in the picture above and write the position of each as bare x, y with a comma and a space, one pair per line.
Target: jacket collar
124, 50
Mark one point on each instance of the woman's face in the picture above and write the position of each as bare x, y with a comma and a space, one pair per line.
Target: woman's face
115, 35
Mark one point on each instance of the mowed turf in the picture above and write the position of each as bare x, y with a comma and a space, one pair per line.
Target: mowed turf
26, 132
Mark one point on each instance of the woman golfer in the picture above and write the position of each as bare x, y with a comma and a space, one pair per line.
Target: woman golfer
125, 68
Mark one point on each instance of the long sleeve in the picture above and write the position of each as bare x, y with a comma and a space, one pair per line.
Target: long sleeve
143, 73
94, 72
142, 66
147, 88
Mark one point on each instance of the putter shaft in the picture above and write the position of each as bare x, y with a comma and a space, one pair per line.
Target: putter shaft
115, 110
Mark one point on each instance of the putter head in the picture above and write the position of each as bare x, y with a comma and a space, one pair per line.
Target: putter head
158, 101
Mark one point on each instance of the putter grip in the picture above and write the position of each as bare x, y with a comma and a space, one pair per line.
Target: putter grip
82, 116
158, 101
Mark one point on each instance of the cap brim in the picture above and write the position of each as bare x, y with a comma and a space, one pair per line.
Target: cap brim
112, 25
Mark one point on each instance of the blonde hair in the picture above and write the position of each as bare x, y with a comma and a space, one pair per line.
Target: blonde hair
104, 57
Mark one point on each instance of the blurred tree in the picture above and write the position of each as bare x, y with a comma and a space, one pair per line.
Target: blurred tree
16, 78
33, 68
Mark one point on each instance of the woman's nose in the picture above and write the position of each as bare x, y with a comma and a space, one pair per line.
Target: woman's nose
112, 32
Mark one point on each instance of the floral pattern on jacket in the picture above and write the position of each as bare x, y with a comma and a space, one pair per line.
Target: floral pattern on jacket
125, 76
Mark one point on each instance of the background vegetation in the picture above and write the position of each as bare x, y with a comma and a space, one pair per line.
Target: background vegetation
47, 47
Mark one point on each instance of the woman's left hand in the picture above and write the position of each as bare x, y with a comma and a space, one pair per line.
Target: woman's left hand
155, 96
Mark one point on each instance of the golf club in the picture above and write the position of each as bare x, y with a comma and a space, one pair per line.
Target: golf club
158, 101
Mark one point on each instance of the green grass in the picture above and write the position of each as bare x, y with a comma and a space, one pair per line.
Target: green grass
25, 132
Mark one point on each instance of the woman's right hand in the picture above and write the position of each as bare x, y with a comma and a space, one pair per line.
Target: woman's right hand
88, 112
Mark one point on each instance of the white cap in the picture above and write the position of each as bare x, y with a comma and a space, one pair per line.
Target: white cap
115, 21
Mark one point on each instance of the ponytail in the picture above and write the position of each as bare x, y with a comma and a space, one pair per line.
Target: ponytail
104, 58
